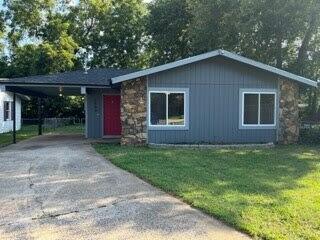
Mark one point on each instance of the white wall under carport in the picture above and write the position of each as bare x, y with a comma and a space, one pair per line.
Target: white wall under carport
7, 126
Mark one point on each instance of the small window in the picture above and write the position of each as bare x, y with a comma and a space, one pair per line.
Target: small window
258, 109
7, 111
167, 108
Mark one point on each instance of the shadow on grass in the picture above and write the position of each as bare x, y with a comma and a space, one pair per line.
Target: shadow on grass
254, 190
72, 192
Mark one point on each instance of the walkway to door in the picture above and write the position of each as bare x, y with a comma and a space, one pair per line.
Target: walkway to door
58, 187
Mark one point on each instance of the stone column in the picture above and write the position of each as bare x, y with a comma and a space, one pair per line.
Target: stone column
134, 112
289, 112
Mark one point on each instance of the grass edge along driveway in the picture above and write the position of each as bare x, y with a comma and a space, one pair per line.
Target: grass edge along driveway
267, 193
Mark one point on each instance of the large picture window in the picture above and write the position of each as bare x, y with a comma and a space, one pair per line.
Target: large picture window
167, 108
258, 109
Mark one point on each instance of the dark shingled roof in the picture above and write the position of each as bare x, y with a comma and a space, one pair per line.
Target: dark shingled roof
93, 77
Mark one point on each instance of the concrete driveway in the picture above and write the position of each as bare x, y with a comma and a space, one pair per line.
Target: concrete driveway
57, 187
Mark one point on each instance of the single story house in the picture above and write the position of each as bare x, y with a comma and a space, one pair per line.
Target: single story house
217, 97
6, 112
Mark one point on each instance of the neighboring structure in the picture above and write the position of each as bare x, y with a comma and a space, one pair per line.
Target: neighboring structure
6, 112
217, 97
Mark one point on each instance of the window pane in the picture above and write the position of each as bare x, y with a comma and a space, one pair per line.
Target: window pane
176, 109
158, 109
267, 108
251, 108
6, 111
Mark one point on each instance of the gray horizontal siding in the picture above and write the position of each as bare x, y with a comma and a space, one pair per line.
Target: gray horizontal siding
214, 87
94, 108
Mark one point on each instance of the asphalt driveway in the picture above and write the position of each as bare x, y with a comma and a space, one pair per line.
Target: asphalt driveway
58, 187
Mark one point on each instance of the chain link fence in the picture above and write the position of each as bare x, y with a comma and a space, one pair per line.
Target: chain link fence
56, 124
310, 130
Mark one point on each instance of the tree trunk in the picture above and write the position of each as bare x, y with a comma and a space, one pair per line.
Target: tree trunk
310, 31
303, 56
279, 51
279, 40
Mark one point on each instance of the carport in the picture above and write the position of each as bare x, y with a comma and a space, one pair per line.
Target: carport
91, 84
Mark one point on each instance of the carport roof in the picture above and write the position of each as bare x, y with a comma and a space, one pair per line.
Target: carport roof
92, 77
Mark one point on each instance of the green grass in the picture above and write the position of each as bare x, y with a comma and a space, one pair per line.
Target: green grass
268, 193
70, 129
25, 133
29, 131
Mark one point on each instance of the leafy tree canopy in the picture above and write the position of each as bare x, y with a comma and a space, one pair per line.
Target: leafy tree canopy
47, 36
167, 24
282, 33
39, 38
110, 32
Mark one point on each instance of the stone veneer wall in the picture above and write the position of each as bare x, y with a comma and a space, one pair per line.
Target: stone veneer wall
134, 112
289, 112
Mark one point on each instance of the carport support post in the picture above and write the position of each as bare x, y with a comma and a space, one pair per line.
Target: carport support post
14, 132
39, 116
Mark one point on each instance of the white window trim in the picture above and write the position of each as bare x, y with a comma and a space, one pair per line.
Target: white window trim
10, 111
259, 125
168, 91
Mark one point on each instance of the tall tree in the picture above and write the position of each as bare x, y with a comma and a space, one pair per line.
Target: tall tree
39, 34
44, 58
167, 25
308, 60
261, 29
40, 43
270, 29
2, 29
110, 32
214, 24
3, 60
27, 18
309, 36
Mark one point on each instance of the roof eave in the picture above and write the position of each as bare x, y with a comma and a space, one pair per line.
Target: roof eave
10, 83
165, 67
227, 54
271, 69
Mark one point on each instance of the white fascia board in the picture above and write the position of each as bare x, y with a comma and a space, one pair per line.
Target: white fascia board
226, 54
270, 68
165, 67
51, 85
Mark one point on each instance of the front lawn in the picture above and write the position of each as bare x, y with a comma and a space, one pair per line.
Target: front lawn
268, 193
26, 132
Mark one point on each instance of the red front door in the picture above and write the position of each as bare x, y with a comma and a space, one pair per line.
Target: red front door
112, 123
